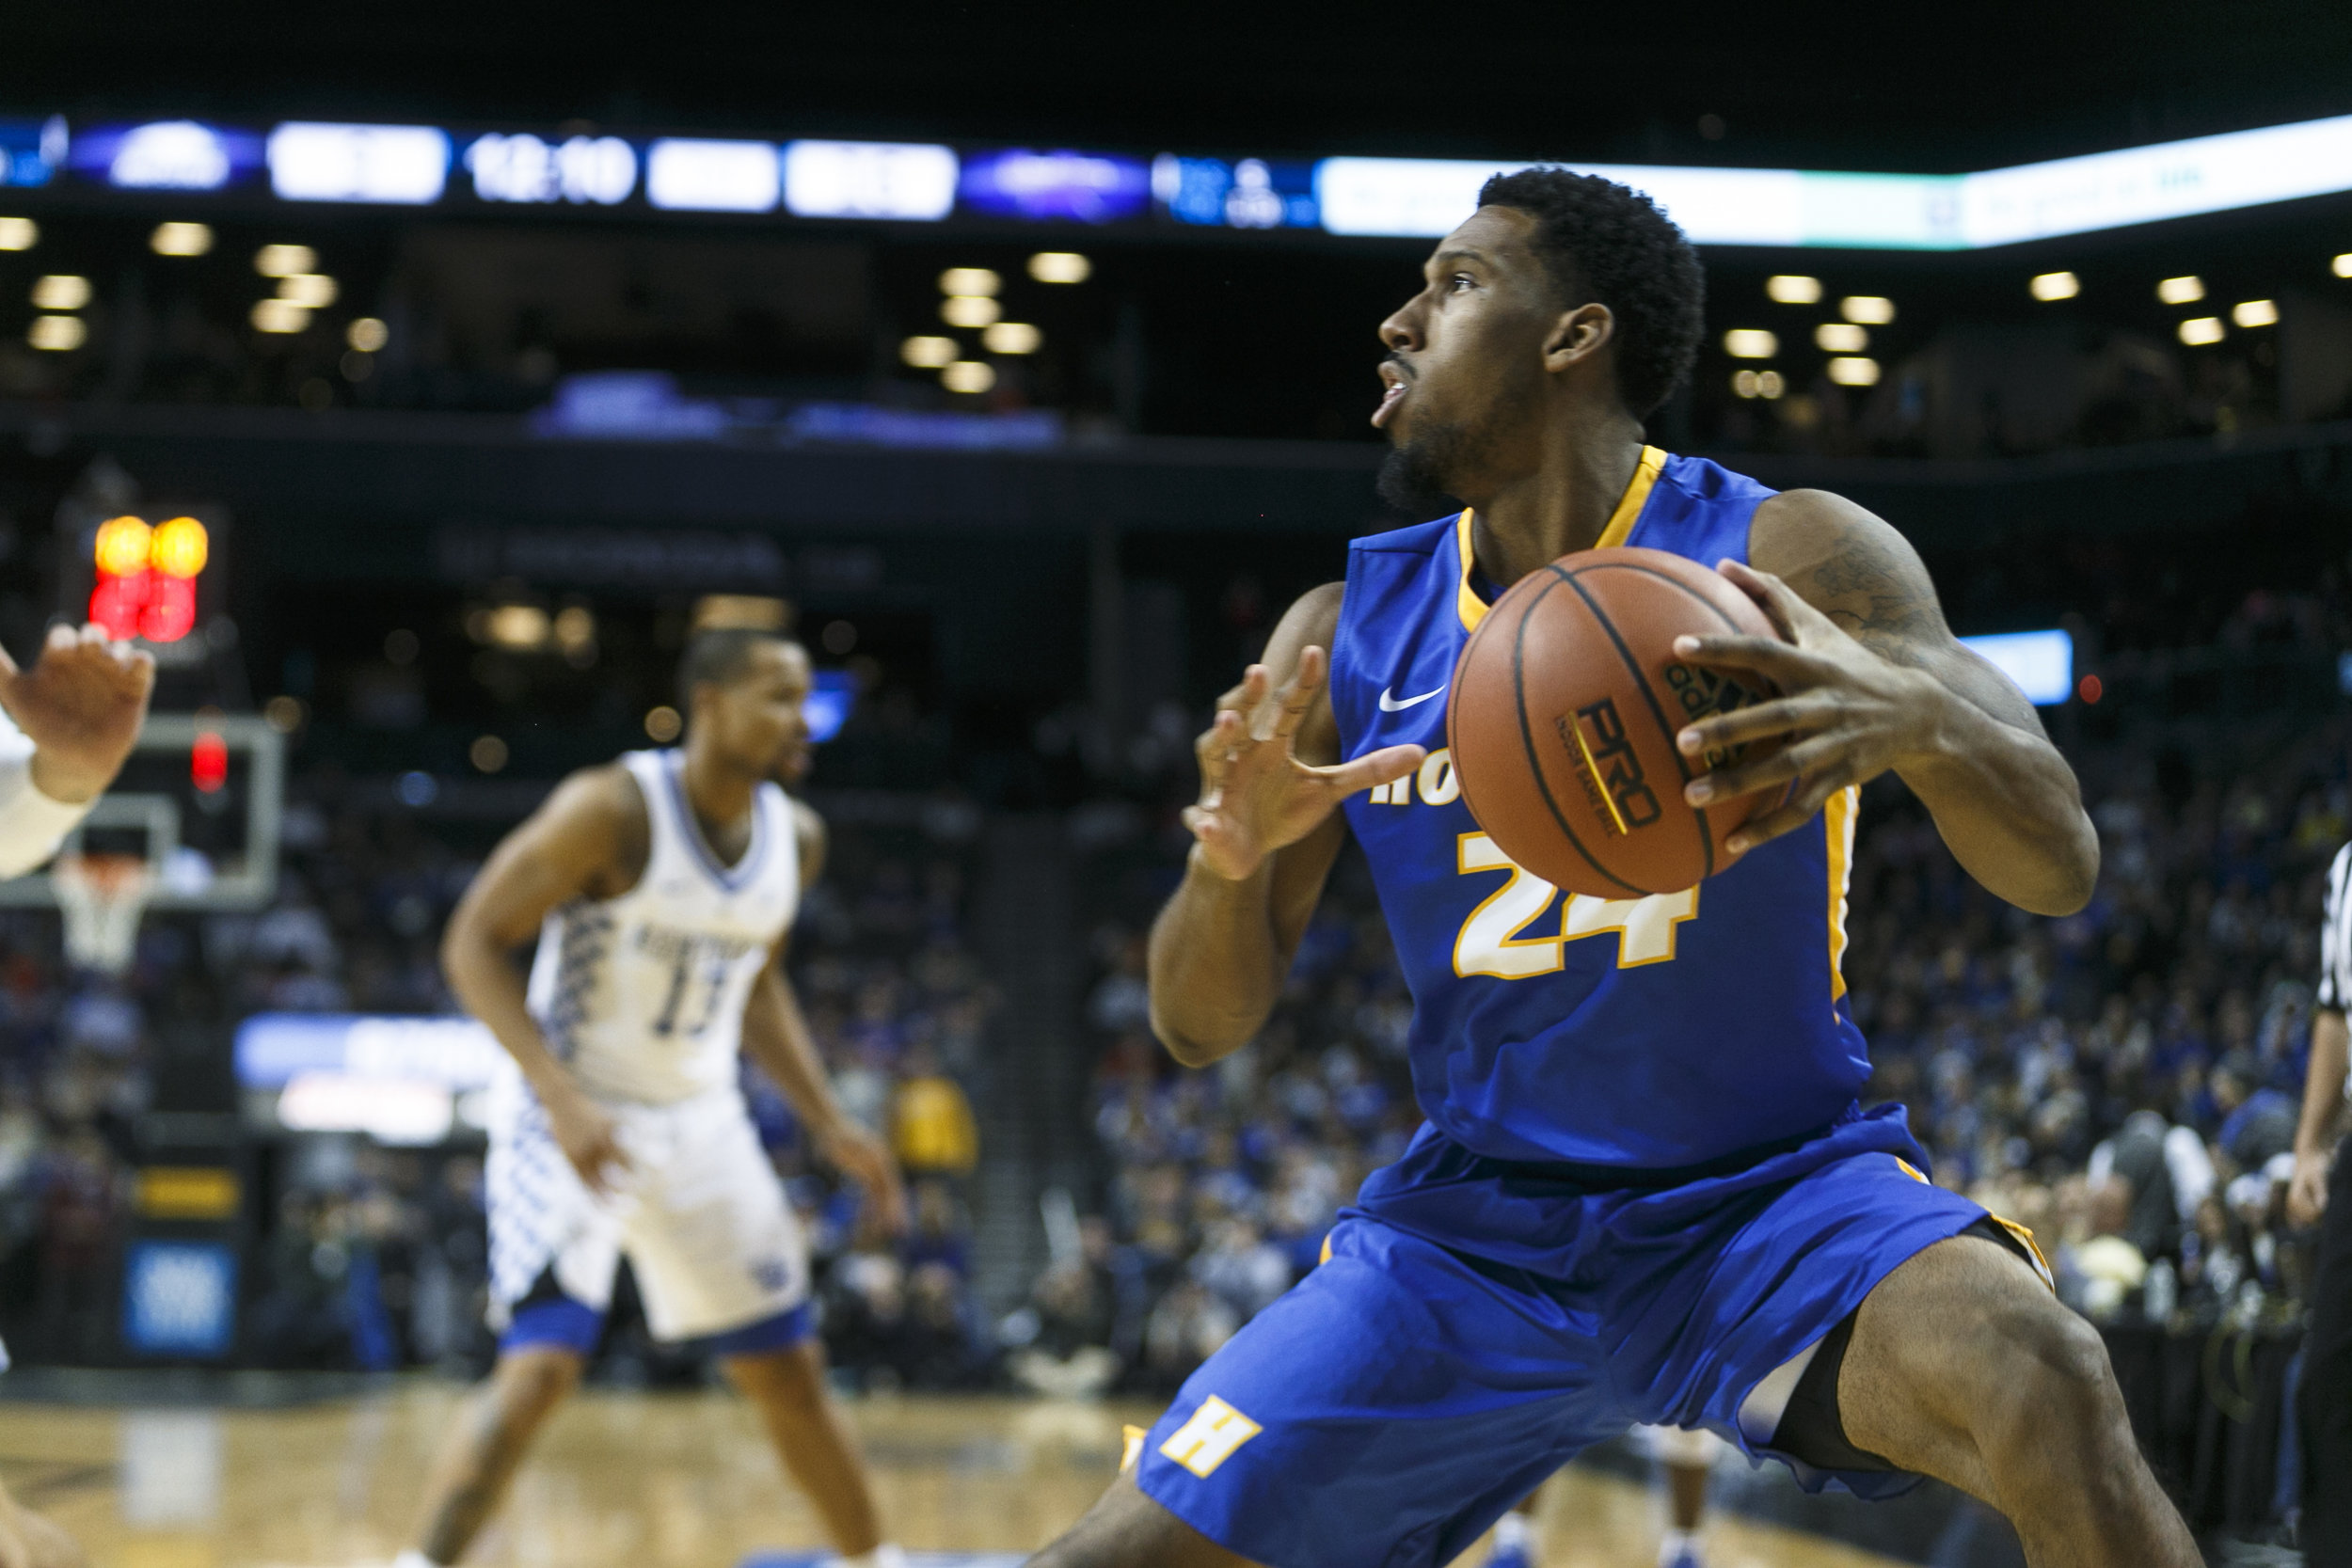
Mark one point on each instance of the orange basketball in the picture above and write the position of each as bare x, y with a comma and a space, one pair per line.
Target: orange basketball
1563, 713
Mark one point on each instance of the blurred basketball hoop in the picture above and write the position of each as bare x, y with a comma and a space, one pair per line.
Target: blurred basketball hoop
103, 897
196, 813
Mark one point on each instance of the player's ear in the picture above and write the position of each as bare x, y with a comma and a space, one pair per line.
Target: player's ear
1578, 334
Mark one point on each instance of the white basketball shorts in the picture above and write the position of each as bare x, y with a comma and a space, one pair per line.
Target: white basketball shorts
699, 1215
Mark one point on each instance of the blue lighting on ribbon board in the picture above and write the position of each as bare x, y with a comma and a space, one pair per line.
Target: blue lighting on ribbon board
166, 155
1045, 187
1252, 193
31, 150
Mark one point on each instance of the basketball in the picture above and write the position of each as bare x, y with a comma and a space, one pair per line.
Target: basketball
1565, 708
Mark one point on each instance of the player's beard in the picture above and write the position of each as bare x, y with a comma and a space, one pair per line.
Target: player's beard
1426, 471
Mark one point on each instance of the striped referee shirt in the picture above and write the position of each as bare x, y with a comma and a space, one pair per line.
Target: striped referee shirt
2335, 942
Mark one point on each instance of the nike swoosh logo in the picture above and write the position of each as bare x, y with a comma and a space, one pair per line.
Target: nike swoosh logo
1392, 705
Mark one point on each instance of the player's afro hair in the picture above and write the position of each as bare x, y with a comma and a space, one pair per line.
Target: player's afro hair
1607, 245
720, 654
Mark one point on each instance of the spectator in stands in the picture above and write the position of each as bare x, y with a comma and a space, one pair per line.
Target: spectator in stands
932, 1124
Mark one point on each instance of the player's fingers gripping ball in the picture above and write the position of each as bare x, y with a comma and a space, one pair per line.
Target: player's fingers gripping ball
1563, 717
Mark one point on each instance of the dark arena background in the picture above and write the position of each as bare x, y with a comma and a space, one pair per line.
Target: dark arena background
1021, 359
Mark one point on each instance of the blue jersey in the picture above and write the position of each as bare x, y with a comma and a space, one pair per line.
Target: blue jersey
1655, 1033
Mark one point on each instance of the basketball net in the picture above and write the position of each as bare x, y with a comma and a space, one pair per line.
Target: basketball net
103, 898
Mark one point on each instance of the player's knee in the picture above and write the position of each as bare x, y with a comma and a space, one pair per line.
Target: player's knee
789, 1378
2047, 1368
530, 1383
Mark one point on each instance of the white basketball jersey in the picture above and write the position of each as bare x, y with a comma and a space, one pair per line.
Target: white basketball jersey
642, 996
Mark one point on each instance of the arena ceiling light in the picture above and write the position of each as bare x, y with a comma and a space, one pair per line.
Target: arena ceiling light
2181, 291
968, 375
181, 239
969, 311
56, 334
2051, 286
1751, 343
278, 316
2255, 312
1868, 309
1792, 289
970, 280
24, 233
285, 260
928, 353
2199, 331
1854, 372
1011, 337
312, 291
2341, 266
1068, 266
61, 291
1842, 338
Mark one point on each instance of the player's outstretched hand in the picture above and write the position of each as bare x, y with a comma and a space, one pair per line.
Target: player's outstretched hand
1256, 795
865, 1160
590, 1139
1850, 715
81, 704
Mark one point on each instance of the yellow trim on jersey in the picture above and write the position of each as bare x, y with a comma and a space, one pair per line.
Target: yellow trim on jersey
1467, 603
1472, 609
1636, 496
1326, 1250
1838, 819
2033, 1248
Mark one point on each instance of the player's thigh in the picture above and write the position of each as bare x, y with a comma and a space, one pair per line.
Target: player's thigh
1126, 1529
1386, 1410
1963, 1366
714, 1242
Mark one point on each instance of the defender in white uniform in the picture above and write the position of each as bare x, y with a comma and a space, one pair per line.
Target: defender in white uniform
66, 725
661, 888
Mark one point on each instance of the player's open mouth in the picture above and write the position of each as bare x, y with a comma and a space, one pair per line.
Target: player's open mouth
1389, 397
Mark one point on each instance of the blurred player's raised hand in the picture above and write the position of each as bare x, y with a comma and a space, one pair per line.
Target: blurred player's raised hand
81, 704
862, 1157
1256, 795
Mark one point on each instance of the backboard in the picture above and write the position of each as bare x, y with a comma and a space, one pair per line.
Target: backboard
202, 799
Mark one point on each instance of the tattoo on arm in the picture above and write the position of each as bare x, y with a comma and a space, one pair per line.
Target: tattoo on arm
1877, 590
1878, 595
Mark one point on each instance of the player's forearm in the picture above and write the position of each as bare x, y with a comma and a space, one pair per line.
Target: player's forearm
488, 985
2008, 806
1215, 966
777, 1037
2323, 1085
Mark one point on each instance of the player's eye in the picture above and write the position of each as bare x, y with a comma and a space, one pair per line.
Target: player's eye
1459, 282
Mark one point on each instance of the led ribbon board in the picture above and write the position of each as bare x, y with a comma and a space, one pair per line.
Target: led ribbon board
1424, 197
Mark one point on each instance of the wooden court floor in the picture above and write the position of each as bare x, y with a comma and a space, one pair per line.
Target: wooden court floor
651, 1480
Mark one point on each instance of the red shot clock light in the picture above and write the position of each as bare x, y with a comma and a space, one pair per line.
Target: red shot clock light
208, 762
146, 576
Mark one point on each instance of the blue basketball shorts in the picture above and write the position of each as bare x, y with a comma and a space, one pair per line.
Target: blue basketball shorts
1475, 1324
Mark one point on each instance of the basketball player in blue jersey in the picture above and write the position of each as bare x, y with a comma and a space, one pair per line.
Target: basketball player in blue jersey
662, 889
1645, 1191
